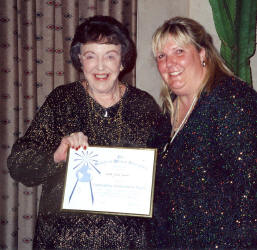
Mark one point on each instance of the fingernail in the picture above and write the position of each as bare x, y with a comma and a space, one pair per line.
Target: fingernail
85, 147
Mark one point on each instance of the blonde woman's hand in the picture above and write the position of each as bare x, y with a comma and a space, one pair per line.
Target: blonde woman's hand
74, 140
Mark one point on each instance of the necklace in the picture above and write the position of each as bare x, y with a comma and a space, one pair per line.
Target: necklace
175, 119
115, 98
119, 98
175, 131
99, 125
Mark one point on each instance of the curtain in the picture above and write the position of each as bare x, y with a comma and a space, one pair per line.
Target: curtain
235, 22
35, 38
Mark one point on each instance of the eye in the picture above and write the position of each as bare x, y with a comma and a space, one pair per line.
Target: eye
87, 56
179, 51
160, 56
111, 56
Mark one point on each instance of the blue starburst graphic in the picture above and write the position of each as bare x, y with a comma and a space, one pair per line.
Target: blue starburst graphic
86, 162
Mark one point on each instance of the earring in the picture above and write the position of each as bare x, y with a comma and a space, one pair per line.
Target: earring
121, 67
203, 63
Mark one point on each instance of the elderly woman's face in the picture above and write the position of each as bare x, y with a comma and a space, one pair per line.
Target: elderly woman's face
101, 65
180, 67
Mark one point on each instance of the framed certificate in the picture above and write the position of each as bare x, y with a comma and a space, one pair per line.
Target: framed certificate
110, 180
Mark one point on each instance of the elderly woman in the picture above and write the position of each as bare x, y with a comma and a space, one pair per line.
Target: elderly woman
206, 176
99, 110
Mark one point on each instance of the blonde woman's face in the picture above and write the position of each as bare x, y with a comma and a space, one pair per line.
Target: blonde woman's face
180, 67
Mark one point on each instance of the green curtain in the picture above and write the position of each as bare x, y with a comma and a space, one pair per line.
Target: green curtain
235, 22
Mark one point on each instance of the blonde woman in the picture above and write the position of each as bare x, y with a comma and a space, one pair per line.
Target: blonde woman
206, 176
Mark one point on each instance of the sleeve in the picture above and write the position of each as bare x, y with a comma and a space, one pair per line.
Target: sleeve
236, 132
236, 140
31, 160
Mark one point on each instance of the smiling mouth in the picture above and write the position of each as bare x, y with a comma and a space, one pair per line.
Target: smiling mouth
101, 76
175, 73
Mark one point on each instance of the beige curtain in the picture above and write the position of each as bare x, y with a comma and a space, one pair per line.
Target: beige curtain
35, 37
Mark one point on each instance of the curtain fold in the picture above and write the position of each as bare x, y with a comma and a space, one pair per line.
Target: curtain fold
235, 22
34, 43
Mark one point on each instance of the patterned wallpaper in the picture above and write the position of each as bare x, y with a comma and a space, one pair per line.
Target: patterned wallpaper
34, 45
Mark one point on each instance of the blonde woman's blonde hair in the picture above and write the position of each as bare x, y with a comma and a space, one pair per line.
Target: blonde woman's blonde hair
187, 31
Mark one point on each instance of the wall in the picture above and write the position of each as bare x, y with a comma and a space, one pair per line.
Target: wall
196, 12
151, 14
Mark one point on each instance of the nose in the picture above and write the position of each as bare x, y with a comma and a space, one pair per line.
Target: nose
100, 64
170, 61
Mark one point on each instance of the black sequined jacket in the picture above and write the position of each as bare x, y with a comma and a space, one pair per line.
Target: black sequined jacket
69, 109
206, 182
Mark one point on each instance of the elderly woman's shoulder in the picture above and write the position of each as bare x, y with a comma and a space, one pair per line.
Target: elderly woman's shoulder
66, 90
68, 87
139, 94
137, 99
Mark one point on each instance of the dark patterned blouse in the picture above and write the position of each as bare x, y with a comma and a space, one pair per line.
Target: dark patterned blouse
206, 195
69, 109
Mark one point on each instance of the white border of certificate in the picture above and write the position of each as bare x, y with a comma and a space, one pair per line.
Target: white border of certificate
110, 180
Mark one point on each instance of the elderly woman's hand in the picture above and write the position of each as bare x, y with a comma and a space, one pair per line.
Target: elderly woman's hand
74, 140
